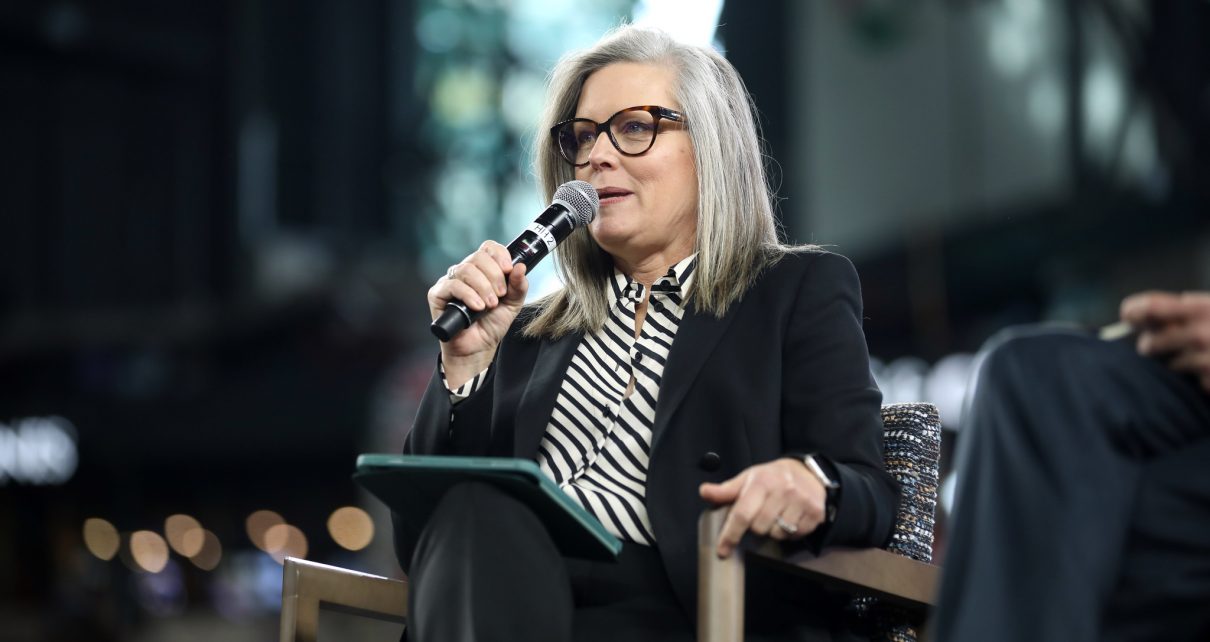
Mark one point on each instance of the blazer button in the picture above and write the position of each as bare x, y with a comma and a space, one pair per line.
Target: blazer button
710, 462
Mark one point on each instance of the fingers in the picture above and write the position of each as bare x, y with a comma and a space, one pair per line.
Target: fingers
1150, 308
1176, 338
723, 493
518, 285
762, 494
740, 518
1164, 339
464, 292
479, 281
792, 516
493, 261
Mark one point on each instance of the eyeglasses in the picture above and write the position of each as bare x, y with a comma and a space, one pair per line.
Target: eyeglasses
632, 131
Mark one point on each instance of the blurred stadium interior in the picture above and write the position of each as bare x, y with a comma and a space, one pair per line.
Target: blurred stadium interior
220, 219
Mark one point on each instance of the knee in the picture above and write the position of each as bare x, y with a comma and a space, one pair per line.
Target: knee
1035, 358
472, 501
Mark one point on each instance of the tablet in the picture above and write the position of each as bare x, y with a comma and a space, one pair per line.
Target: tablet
412, 485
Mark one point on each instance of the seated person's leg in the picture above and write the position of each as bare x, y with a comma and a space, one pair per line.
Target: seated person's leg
1049, 460
485, 569
1163, 589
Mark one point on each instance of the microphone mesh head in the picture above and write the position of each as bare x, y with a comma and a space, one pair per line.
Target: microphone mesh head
582, 198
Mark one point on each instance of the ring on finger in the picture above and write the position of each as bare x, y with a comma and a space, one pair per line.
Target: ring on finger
449, 274
787, 527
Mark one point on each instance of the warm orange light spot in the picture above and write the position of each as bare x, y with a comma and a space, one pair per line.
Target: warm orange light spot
192, 542
101, 538
184, 534
149, 551
210, 552
259, 523
351, 528
284, 540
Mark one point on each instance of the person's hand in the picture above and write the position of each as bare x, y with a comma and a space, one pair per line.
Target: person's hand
484, 280
1175, 326
762, 494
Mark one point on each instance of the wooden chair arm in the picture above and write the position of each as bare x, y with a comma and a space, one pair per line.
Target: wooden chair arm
308, 586
860, 571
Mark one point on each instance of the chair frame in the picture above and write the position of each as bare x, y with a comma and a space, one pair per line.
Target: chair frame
862, 572
898, 580
308, 587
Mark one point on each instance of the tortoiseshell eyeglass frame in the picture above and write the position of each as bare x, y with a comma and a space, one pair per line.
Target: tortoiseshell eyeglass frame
658, 113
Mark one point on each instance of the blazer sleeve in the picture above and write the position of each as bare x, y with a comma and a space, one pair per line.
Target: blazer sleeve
444, 428
831, 405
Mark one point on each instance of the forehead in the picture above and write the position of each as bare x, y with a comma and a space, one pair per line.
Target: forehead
626, 84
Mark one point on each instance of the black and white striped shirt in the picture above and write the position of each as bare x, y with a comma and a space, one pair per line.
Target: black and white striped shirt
598, 441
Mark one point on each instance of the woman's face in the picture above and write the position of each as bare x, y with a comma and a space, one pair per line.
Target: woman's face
648, 202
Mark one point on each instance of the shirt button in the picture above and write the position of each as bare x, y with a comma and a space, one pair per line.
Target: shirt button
710, 462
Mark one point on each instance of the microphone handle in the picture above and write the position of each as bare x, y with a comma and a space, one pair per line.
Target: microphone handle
530, 247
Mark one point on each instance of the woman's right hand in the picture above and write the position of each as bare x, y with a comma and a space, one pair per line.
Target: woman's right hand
487, 280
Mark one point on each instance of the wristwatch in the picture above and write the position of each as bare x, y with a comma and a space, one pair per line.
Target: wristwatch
830, 486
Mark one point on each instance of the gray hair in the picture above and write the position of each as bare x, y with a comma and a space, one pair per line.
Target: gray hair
736, 232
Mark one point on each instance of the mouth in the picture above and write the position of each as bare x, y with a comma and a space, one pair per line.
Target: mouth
612, 194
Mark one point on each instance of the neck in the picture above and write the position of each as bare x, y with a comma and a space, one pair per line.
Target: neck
650, 268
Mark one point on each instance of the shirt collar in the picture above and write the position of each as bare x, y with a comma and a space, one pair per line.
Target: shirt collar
623, 288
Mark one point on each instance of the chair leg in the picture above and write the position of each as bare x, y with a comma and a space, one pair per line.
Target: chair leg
720, 594
299, 619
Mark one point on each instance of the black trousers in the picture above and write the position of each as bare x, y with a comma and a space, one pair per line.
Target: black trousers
485, 570
1083, 505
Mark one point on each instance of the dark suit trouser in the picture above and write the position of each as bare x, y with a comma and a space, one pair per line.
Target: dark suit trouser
1083, 504
486, 570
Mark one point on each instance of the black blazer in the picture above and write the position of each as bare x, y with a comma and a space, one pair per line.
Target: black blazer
786, 370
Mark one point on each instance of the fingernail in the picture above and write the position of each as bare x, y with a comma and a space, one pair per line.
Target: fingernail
495, 301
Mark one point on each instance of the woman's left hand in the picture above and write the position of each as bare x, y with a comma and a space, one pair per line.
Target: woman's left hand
767, 498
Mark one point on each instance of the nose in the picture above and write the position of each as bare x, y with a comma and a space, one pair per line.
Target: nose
603, 154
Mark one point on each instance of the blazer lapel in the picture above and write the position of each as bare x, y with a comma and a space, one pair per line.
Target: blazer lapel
696, 337
538, 400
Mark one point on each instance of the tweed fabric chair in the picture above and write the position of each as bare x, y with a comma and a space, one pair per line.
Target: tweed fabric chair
912, 446
893, 588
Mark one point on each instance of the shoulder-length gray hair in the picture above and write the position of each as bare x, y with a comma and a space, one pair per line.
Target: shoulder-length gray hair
736, 231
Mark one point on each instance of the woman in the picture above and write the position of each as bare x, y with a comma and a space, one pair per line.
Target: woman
689, 357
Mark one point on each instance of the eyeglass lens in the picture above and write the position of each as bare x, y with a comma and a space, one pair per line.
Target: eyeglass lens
632, 132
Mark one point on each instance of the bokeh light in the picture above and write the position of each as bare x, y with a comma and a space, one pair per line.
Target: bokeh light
149, 551
210, 553
101, 538
284, 540
259, 523
184, 534
351, 528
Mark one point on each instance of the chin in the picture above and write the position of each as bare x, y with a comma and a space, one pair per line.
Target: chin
611, 232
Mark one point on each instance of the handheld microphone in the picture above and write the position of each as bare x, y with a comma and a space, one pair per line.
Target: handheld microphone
575, 204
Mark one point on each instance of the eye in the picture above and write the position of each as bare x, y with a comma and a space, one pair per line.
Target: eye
635, 126
585, 137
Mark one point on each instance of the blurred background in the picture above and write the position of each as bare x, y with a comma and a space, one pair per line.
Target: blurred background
219, 220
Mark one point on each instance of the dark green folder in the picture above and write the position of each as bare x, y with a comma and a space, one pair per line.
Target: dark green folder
411, 485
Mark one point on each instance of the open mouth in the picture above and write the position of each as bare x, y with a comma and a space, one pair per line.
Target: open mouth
611, 194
